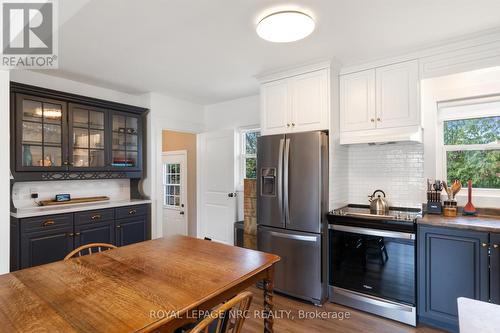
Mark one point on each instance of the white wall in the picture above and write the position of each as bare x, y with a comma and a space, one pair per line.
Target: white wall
234, 114
75, 87
4, 173
166, 113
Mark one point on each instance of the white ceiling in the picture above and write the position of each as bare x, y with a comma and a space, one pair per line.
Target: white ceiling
207, 51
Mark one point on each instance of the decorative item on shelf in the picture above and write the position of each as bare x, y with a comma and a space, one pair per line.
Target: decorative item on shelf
469, 208
48, 161
27, 157
434, 189
63, 197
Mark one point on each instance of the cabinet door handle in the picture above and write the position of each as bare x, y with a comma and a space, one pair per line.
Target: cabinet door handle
372, 120
293, 124
77, 234
484, 244
118, 226
96, 217
495, 246
132, 212
287, 125
48, 222
70, 234
378, 119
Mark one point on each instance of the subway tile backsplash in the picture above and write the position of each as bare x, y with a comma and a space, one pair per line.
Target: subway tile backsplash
397, 169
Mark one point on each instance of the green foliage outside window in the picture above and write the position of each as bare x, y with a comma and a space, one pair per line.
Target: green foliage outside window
251, 153
482, 166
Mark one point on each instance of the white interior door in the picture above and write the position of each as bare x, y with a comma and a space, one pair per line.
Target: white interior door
174, 193
217, 204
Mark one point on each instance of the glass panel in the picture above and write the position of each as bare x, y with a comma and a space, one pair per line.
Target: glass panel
177, 201
251, 168
118, 141
119, 123
481, 166
31, 155
97, 158
131, 142
52, 157
96, 120
80, 118
80, 138
52, 113
171, 200
472, 131
52, 134
97, 139
132, 158
177, 190
119, 159
80, 158
251, 142
132, 125
32, 132
32, 110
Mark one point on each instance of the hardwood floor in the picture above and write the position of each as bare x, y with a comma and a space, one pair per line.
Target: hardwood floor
357, 322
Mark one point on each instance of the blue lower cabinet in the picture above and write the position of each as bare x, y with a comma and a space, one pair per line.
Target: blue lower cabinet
495, 268
102, 232
452, 263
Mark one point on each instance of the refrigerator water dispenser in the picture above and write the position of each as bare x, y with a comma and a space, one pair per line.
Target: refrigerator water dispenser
268, 182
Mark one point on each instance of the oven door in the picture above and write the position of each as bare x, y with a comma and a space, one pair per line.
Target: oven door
379, 263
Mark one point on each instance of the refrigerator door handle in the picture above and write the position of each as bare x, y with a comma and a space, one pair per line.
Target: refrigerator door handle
280, 179
285, 187
294, 237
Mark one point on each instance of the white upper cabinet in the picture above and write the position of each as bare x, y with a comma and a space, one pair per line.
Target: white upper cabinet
357, 100
274, 96
397, 95
381, 104
296, 103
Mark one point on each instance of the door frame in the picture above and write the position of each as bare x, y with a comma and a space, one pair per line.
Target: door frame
184, 182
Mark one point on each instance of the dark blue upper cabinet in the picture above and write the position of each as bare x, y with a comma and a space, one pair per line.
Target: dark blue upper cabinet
495, 268
452, 263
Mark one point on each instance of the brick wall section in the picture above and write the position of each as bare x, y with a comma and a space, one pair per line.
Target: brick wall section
250, 213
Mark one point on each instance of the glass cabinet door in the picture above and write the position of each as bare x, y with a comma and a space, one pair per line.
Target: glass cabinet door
41, 131
87, 137
125, 142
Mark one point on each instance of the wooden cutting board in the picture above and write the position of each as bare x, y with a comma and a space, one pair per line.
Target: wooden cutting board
72, 201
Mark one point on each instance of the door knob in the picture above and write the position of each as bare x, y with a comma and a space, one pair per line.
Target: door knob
181, 212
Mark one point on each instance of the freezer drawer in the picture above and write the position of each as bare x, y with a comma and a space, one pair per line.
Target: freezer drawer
299, 271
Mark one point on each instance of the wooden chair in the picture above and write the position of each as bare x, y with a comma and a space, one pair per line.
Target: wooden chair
230, 316
91, 248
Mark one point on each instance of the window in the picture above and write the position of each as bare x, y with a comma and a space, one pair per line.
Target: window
249, 153
471, 144
172, 185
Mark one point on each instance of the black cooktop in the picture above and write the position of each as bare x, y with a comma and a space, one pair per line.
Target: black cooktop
397, 218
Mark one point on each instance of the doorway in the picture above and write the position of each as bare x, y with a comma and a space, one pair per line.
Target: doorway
178, 183
174, 166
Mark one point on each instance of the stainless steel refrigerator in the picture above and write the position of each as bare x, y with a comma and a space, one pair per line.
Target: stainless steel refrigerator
292, 202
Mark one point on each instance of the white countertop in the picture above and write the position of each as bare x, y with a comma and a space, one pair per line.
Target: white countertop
71, 208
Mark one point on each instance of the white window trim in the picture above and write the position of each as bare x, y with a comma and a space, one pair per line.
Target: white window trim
242, 149
447, 111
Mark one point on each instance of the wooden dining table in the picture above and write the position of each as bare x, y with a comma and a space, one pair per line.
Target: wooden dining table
153, 286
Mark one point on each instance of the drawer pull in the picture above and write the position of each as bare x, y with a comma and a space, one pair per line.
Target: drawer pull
118, 226
77, 234
132, 211
47, 223
495, 246
95, 217
70, 234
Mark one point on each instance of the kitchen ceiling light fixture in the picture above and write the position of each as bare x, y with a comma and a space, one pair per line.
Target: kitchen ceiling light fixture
285, 26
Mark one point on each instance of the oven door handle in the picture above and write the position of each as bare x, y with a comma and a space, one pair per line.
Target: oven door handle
373, 232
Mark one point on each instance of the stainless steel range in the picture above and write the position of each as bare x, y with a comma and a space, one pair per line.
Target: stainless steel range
373, 260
